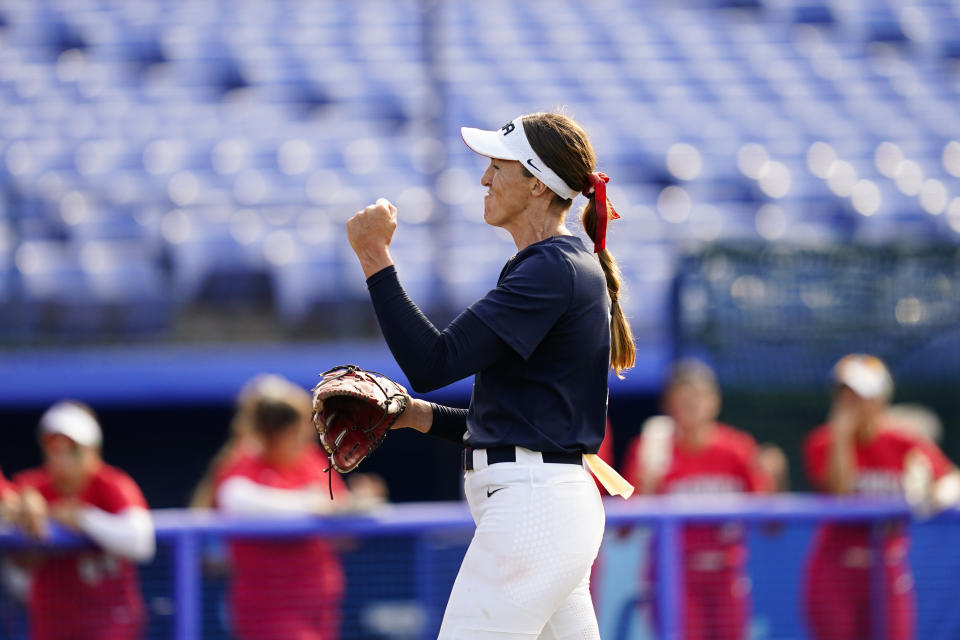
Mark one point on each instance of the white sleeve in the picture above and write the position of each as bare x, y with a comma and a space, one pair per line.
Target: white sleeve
946, 492
656, 451
128, 534
244, 496
16, 580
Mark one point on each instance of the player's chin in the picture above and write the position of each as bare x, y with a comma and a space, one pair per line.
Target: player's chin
489, 212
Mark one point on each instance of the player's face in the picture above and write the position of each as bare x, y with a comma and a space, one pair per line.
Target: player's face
691, 404
66, 461
508, 192
285, 446
844, 396
864, 409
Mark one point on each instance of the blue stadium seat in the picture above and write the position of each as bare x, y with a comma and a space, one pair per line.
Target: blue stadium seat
127, 280
114, 115
56, 295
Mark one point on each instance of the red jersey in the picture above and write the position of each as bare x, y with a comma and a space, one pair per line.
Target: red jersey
4, 483
726, 463
282, 585
879, 472
87, 593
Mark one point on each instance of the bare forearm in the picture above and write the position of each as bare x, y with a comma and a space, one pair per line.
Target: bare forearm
419, 416
374, 260
840, 469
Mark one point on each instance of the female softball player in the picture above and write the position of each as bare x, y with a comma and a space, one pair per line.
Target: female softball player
688, 452
860, 452
282, 588
541, 344
86, 593
242, 440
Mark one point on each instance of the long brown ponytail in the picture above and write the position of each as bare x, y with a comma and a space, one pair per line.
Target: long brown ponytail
563, 145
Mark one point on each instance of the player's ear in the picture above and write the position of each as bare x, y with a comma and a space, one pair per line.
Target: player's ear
537, 188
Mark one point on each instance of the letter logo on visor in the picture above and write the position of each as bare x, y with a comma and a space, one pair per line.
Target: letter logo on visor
510, 142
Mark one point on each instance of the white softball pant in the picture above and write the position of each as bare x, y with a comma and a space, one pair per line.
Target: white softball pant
526, 574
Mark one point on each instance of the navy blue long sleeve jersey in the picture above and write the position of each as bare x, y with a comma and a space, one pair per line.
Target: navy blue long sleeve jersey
538, 343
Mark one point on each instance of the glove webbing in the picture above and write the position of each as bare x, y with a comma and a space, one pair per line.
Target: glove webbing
401, 398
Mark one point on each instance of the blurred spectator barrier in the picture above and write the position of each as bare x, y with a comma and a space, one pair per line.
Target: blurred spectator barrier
401, 561
777, 315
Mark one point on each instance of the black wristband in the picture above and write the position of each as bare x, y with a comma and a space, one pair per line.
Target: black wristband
449, 423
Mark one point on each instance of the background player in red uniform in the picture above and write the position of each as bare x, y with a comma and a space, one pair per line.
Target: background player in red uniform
9, 500
689, 452
241, 440
860, 452
287, 589
90, 594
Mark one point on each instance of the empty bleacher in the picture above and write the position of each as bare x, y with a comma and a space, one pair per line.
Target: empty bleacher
157, 154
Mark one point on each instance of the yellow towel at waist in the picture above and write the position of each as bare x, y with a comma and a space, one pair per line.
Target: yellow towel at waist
613, 482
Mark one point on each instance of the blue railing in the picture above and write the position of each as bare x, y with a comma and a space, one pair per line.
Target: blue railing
185, 531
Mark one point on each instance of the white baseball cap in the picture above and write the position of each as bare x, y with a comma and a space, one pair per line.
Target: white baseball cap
866, 376
72, 421
509, 142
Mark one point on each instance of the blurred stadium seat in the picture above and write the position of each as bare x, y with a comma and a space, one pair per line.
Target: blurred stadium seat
188, 128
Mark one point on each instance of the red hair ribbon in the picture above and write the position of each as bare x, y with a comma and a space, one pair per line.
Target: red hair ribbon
597, 187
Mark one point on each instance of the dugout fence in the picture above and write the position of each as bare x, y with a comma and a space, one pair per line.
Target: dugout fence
400, 563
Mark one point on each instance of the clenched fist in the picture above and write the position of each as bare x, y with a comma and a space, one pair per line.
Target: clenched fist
370, 232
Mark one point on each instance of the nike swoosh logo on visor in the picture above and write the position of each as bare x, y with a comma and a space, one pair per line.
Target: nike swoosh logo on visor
535, 167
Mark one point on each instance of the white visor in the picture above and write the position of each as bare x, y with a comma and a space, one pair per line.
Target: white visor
865, 375
509, 142
68, 419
